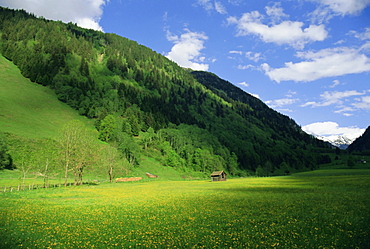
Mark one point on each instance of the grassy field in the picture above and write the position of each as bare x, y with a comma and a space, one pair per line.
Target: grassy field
28, 109
319, 209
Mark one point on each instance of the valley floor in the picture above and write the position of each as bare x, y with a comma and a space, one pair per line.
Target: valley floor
318, 209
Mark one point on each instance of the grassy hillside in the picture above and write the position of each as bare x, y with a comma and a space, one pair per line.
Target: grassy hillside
32, 111
323, 209
28, 109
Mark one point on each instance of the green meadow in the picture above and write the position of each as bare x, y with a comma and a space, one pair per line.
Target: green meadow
28, 109
318, 209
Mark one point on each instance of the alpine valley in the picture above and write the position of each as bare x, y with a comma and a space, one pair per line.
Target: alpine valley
142, 103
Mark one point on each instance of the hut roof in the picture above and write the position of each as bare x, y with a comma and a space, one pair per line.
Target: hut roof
217, 173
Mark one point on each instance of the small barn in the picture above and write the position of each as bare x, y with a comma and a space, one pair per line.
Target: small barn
218, 176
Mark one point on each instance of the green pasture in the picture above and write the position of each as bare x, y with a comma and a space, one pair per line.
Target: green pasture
28, 109
319, 209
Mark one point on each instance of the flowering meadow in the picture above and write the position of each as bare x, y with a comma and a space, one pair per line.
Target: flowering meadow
320, 209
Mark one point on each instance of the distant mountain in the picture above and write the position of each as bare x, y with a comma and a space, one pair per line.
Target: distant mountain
361, 144
342, 142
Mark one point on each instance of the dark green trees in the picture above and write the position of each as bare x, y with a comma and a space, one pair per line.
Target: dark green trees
6, 161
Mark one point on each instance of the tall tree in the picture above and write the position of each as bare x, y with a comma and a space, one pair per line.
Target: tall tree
107, 128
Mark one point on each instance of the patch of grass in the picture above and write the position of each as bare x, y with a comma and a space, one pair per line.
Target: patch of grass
321, 210
28, 109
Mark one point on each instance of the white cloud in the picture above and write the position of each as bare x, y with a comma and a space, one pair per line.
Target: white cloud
363, 103
324, 63
245, 84
186, 51
209, 6
335, 83
220, 8
86, 13
244, 67
281, 102
361, 35
333, 98
286, 32
206, 4
345, 7
327, 129
249, 55
276, 12
290, 94
255, 95
236, 52
345, 111
253, 56
327, 9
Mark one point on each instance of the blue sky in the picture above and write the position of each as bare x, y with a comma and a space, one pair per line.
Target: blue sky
308, 59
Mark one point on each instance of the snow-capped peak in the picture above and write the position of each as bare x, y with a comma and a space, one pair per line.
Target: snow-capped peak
337, 140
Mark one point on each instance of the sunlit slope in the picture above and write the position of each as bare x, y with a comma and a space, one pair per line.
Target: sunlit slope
29, 109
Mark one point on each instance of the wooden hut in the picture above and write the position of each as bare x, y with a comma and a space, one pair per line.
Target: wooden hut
218, 176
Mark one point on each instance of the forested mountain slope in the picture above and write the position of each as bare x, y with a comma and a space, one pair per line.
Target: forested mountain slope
201, 121
250, 107
361, 144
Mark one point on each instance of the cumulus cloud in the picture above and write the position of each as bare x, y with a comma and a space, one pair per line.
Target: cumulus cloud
330, 129
186, 51
324, 63
286, 32
86, 13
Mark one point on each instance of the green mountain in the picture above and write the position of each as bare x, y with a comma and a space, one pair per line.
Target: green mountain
361, 144
194, 119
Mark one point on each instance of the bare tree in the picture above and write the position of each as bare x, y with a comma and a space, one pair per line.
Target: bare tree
79, 149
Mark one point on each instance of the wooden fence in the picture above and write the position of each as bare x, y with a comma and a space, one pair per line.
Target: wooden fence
33, 186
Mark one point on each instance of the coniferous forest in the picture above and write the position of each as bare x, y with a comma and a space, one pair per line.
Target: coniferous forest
194, 119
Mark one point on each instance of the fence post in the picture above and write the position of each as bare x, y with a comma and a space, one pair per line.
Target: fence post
11, 189
4, 189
